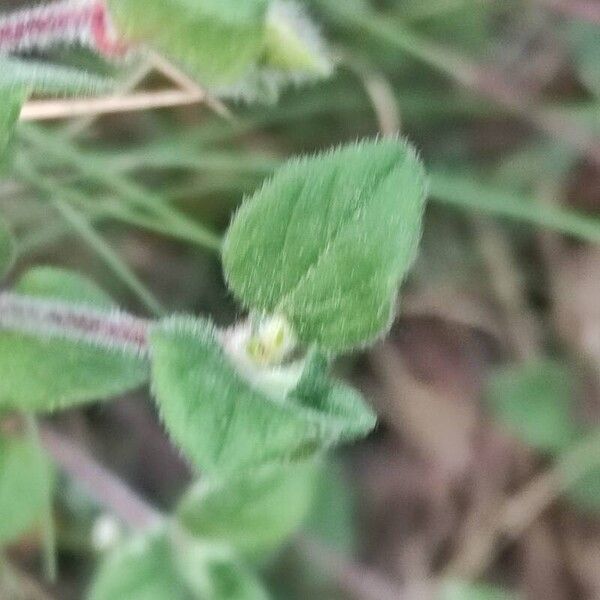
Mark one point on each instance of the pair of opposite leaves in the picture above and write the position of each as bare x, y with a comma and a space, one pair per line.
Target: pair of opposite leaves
325, 243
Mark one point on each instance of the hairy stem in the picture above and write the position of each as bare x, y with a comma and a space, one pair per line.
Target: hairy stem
101, 484
85, 22
112, 329
116, 496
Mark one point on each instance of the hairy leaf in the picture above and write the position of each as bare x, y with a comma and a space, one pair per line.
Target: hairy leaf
327, 241
218, 39
535, 402
254, 512
293, 43
41, 373
7, 249
213, 570
294, 53
223, 423
464, 590
173, 565
24, 474
142, 568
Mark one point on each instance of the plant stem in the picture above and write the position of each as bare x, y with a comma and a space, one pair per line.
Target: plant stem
43, 26
125, 332
100, 483
49, 531
43, 110
113, 330
113, 494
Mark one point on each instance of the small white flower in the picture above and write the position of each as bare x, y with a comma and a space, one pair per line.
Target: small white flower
106, 533
258, 351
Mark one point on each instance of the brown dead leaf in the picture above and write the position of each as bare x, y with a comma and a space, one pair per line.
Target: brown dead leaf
431, 374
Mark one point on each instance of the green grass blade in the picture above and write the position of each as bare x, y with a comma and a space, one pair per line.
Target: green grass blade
107, 254
468, 193
79, 223
62, 151
48, 527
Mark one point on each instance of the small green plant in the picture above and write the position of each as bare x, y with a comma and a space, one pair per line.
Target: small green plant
307, 273
315, 257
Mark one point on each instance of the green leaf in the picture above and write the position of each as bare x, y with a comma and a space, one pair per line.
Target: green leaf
213, 571
585, 493
142, 568
223, 423
327, 241
219, 40
61, 284
40, 373
332, 517
7, 249
464, 590
24, 474
11, 101
534, 401
293, 43
253, 512
171, 565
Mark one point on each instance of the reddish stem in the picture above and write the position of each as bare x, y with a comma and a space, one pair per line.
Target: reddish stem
109, 329
103, 32
103, 486
87, 22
